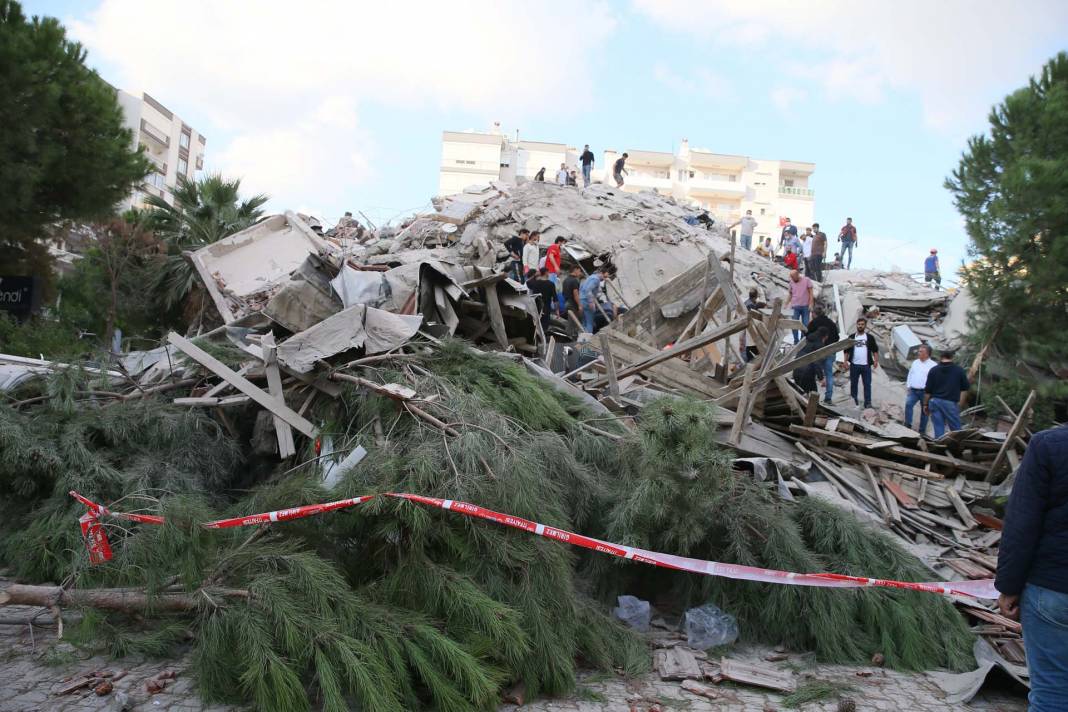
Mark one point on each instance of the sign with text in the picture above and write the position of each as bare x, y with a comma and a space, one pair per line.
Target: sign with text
19, 296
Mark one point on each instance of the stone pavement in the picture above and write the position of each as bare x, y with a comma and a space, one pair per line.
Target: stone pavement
34, 668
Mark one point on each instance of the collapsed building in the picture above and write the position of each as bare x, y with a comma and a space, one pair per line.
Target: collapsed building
304, 313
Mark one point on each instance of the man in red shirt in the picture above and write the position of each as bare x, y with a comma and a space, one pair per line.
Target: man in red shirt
552, 266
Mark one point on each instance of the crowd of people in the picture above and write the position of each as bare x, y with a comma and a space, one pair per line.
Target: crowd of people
576, 293
805, 252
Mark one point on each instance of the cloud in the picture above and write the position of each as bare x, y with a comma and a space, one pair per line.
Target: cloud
958, 56
283, 85
786, 98
703, 82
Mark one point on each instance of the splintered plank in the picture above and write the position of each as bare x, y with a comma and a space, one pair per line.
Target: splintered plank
676, 663
899, 494
286, 448
1010, 439
757, 675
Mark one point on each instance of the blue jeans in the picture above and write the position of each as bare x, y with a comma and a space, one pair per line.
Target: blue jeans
915, 396
802, 314
747, 241
828, 377
858, 373
589, 315
1044, 615
847, 247
553, 277
944, 415
586, 169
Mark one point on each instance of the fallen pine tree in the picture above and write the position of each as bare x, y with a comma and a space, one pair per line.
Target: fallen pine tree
394, 606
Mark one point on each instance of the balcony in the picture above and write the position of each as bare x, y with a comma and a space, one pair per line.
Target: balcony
155, 134
467, 166
711, 186
159, 163
789, 191
643, 180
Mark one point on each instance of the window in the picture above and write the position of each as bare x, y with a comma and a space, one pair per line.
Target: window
732, 178
788, 182
465, 163
183, 140
155, 179
682, 176
183, 167
762, 211
691, 174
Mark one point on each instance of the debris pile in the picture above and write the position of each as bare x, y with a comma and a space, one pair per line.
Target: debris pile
334, 374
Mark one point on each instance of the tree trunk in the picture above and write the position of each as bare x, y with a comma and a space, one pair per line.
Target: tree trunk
113, 599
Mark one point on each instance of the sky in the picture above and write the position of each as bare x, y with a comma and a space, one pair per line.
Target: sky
334, 106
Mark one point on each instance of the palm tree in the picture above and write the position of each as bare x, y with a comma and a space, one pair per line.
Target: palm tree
204, 211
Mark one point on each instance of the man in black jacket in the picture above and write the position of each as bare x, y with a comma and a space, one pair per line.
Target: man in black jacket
946, 384
515, 245
825, 365
1033, 566
586, 159
862, 357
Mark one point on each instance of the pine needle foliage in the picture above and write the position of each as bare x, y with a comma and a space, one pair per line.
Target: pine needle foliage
677, 493
397, 606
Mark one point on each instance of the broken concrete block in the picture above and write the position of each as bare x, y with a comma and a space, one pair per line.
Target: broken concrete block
359, 326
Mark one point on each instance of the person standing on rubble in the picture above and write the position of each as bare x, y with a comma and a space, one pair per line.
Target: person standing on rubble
819, 249
930, 270
620, 169
806, 250
826, 364
572, 289
590, 295
552, 266
531, 252
917, 383
538, 283
862, 357
801, 299
848, 237
745, 234
515, 245
561, 175
788, 238
944, 393
586, 159
1032, 572
753, 303
540, 175
805, 376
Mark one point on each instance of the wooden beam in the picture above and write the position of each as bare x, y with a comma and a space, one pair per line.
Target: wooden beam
1010, 439
744, 406
730, 292
789, 366
610, 365
930, 457
493, 308
706, 292
887, 464
877, 492
224, 372
811, 406
286, 448
679, 349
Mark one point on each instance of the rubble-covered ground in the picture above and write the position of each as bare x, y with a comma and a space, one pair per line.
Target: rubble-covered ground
332, 374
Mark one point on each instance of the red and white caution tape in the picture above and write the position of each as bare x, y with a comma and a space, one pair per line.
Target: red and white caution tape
99, 550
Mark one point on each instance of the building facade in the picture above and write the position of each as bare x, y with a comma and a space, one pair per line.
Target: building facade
725, 185
175, 150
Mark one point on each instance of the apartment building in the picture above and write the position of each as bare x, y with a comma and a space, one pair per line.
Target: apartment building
172, 146
725, 185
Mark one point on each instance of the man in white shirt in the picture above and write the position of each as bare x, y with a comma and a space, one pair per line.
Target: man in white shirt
916, 383
561, 175
531, 252
806, 250
748, 224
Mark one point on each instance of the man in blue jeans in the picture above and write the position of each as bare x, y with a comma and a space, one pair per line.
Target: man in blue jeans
590, 294
586, 159
862, 357
917, 382
826, 365
848, 237
946, 385
800, 299
1033, 566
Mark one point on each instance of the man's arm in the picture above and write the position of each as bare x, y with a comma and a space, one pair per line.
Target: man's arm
811, 295
1024, 519
873, 345
963, 389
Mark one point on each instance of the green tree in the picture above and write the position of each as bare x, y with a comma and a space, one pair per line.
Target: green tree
64, 153
1012, 189
204, 211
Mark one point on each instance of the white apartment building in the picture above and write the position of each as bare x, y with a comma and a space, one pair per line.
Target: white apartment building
725, 185
172, 146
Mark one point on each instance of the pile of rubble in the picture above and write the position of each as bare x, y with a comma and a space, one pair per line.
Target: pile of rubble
304, 310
